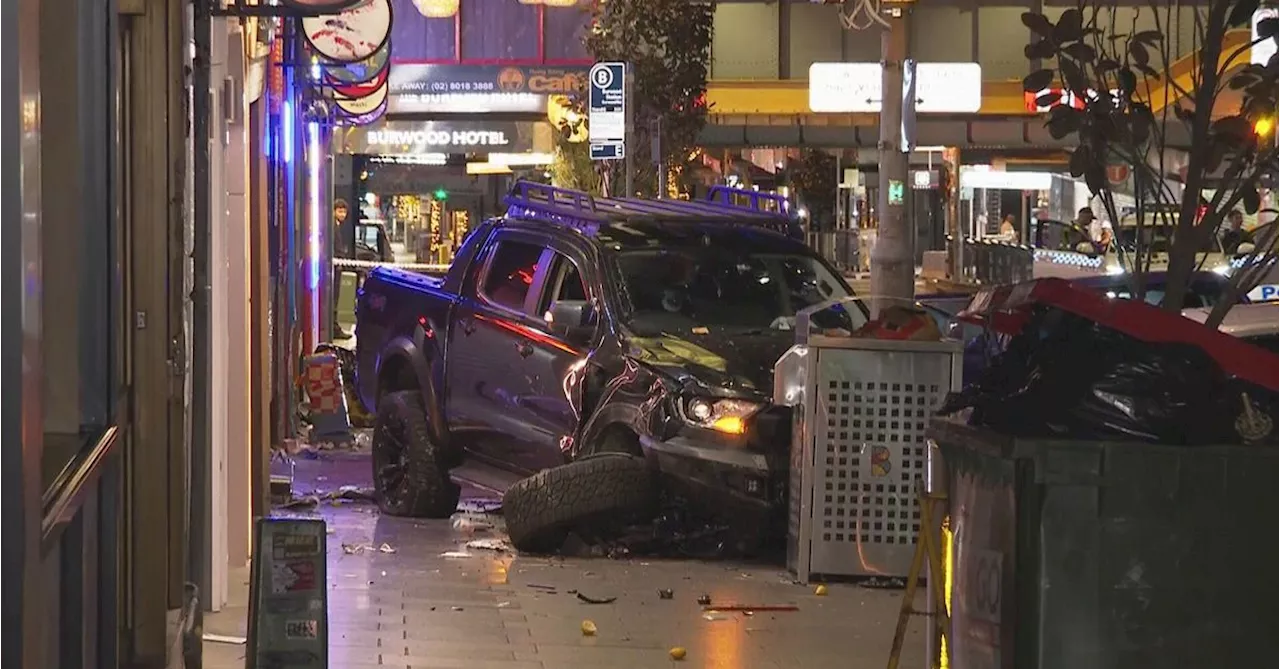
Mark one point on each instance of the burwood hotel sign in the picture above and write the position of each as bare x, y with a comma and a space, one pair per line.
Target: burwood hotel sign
408, 137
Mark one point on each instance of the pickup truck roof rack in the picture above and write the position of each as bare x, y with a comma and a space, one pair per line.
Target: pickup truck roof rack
752, 200
579, 209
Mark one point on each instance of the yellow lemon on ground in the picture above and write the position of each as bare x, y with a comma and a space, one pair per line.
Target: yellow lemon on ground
588, 628
820, 591
678, 653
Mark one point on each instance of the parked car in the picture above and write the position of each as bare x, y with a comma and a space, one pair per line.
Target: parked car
1204, 290
626, 336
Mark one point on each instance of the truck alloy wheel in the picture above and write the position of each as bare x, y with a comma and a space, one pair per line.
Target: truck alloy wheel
542, 509
408, 476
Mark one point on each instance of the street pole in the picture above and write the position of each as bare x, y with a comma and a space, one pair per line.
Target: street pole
955, 247
659, 159
892, 265
628, 141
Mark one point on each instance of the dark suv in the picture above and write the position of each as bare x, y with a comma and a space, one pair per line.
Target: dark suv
577, 329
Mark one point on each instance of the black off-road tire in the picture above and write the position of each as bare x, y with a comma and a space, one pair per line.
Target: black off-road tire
401, 437
542, 509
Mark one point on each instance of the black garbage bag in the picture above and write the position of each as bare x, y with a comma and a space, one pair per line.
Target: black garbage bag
1068, 377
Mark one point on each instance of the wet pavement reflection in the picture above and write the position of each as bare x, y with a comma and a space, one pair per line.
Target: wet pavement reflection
449, 594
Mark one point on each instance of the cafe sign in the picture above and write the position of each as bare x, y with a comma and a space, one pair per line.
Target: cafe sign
427, 88
408, 138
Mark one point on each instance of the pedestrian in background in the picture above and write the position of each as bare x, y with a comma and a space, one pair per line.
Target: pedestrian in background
343, 247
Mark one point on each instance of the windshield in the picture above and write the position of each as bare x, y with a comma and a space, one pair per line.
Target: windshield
681, 289
1198, 295
1159, 239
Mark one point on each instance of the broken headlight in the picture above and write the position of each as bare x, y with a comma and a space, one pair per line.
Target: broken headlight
721, 415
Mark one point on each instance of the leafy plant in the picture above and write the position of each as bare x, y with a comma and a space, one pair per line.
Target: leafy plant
1123, 101
573, 168
815, 181
668, 45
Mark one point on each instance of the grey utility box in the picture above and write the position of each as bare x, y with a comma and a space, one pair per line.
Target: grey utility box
861, 409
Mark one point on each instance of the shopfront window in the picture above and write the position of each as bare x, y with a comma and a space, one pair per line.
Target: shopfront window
563, 29
79, 263
499, 30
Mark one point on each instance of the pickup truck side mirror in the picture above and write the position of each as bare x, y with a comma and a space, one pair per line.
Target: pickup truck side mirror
571, 319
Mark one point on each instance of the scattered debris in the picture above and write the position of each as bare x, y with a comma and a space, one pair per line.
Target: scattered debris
714, 617
588, 628
499, 545
455, 554
820, 591
477, 505
677, 653
303, 502
503, 605
666, 593
750, 610
471, 524
457, 608
223, 638
884, 583
354, 493
357, 549
704, 600
537, 586
594, 600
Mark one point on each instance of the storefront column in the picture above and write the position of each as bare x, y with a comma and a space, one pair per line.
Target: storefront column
21, 365
951, 212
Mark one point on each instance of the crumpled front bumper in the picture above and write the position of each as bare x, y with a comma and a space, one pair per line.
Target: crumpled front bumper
738, 485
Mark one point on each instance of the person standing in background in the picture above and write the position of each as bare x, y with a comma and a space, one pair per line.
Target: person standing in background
1008, 230
343, 247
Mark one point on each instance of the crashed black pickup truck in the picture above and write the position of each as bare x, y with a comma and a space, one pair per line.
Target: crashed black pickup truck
582, 353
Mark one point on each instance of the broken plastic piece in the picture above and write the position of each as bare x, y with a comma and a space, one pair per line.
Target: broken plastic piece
224, 638
594, 600
588, 628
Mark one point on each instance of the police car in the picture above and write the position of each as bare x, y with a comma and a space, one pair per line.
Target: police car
1254, 323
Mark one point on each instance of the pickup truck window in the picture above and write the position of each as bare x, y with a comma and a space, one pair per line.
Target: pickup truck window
568, 284
691, 287
510, 274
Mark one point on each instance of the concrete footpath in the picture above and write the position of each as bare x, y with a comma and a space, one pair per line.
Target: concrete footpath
438, 602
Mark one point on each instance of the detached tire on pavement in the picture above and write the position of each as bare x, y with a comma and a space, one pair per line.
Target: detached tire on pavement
409, 478
542, 509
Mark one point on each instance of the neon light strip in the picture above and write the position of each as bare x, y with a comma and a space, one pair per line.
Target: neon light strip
314, 162
287, 121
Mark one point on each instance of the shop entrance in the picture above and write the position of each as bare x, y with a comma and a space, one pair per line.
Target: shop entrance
412, 211
76, 344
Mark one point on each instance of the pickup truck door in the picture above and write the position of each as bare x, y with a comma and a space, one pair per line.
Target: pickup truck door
487, 386
555, 362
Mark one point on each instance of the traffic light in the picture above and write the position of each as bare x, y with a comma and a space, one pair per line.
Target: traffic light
441, 194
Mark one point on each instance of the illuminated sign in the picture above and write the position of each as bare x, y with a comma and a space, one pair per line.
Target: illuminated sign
427, 88
443, 138
439, 137
941, 88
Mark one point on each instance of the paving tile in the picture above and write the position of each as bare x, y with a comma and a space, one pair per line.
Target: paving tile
397, 609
